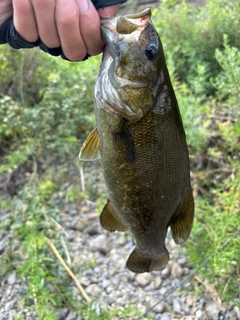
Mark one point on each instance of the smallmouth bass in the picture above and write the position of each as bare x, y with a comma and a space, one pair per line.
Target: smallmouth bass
141, 142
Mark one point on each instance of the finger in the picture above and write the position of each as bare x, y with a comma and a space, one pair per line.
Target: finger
6, 10
24, 20
67, 19
90, 28
108, 12
45, 17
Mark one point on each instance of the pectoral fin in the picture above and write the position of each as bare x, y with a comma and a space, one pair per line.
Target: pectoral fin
90, 149
182, 225
124, 140
110, 220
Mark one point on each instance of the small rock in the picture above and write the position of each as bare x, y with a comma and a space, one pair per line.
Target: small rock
12, 278
71, 316
185, 271
12, 314
165, 317
177, 308
231, 316
109, 300
122, 240
237, 311
201, 303
109, 289
100, 243
162, 291
79, 224
182, 261
93, 231
212, 310
93, 290
172, 244
61, 313
159, 308
3, 244
176, 270
130, 275
143, 279
166, 272
9, 305
198, 314
156, 282
189, 300
105, 283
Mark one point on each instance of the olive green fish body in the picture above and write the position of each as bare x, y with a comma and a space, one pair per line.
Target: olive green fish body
142, 147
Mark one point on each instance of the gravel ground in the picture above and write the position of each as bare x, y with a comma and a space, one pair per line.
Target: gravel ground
110, 283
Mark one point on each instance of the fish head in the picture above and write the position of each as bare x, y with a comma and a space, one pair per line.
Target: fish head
131, 66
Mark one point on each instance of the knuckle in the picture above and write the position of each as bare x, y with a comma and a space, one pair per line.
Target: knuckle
44, 4
68, 20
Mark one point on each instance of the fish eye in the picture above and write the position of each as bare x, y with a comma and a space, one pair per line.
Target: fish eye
151, 51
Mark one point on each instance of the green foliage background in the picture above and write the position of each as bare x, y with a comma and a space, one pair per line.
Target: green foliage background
46, 110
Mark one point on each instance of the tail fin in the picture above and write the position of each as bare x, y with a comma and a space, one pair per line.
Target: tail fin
139, 263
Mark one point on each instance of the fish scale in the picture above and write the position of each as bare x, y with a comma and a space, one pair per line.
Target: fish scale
141, 142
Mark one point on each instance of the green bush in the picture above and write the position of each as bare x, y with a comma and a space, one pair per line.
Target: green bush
192, 35
202, 50
61, 112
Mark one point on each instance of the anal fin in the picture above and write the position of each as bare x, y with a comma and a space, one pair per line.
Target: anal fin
110, 220
90, 149
181, 226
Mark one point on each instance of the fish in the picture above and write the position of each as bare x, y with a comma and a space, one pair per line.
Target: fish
141, 143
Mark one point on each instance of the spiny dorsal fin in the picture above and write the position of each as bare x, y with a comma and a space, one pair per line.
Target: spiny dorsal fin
110, 220
181, 227
90, 149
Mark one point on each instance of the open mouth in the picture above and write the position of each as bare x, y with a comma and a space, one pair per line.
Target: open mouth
122, 82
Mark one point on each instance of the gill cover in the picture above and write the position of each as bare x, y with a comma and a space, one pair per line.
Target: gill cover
131, 65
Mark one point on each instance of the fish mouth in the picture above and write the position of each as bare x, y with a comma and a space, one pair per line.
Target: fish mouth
113, 32
123, 82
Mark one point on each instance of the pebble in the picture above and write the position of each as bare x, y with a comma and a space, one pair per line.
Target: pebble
12, 278
189, 300
71, 316
212, 310
199, 313
61, 314
165, 317
9, 305
100, 243
156, 282
176, 270
166, 272
177, 306
143, 279
159, 308
236, 309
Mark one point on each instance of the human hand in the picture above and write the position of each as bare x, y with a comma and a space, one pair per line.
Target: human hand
73, 25
6, 10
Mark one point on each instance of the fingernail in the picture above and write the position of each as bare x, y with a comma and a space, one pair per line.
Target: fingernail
83, 5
